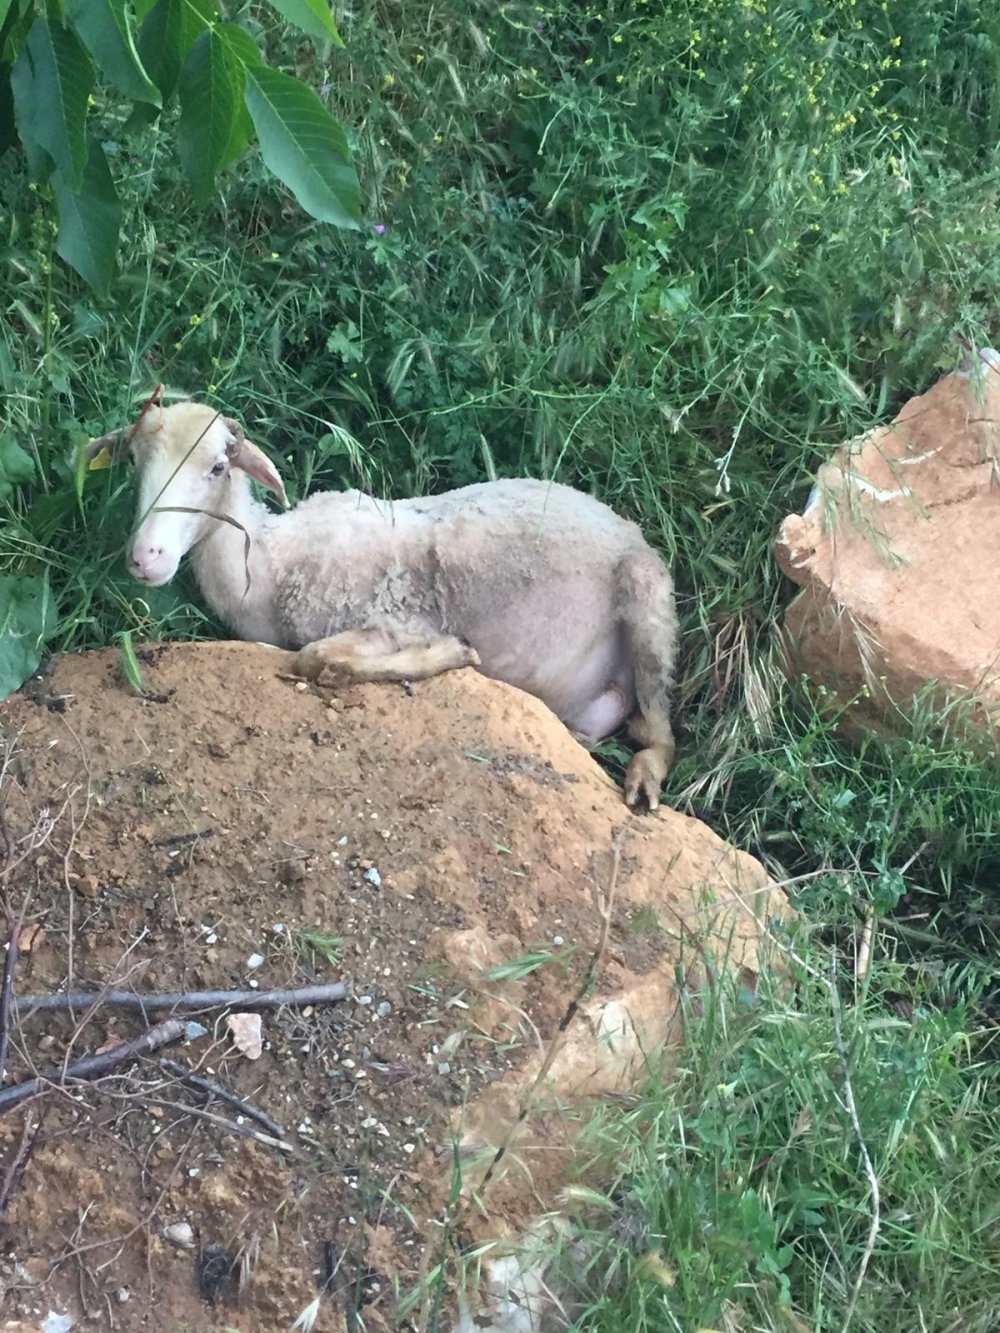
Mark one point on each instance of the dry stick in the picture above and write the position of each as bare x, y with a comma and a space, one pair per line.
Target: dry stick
207, 1085
230, 1126
7, 987
93, 1066
30, 1131
183, 999
866, 1160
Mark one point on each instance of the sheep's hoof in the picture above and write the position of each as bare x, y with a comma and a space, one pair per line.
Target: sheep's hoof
644, 778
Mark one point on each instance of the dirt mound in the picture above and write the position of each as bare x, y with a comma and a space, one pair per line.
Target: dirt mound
228, 828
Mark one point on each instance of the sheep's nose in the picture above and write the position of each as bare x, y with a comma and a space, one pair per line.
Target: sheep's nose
144, 556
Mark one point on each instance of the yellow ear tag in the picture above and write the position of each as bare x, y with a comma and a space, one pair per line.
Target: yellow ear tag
100, 460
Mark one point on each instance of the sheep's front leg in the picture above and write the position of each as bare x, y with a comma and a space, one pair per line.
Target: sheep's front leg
362, 655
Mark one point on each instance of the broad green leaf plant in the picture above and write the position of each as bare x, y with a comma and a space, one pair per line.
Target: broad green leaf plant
53, 55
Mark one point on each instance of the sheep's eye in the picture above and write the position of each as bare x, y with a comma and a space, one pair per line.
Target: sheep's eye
217, 470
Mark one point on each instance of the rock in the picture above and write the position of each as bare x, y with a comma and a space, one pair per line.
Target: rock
180, 1234
896, 556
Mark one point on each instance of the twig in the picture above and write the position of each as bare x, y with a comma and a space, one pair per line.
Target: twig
852, 1111
230, 1126
863, 958
30, 1131
7, 987
93, 1066
183, 999
213, 1089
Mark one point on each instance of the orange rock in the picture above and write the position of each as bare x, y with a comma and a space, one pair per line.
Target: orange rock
896, 556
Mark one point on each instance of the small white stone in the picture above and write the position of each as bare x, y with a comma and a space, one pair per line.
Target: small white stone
409, 1147
255, 960
558, 939
211, 938
180, 1234
342, 842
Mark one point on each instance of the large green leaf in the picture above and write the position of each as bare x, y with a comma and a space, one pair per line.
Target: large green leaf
167, 35
211, 88
243, 49
89, 219
27, 618
312, 16
4, 7
303, 145
104, 28
52, 79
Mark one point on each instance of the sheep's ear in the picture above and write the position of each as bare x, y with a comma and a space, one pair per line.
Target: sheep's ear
106, 449
254, 462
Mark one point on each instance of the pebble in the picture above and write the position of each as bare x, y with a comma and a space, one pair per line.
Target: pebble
180, 1234
56, 1323
255, 960
558, 939
384, 1009
373, 877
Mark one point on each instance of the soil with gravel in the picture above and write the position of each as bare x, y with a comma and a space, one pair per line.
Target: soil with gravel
228, 828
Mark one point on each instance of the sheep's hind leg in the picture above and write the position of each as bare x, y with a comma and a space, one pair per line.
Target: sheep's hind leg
368, 655
649, 620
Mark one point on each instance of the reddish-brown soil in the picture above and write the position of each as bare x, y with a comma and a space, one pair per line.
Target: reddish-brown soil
226, 813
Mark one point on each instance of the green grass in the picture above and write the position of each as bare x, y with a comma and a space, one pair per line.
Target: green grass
673, 253
817, 1162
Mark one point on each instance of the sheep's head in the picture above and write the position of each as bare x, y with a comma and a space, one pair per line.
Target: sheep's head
185, 456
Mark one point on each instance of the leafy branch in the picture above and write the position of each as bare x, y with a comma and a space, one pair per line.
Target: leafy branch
154, 52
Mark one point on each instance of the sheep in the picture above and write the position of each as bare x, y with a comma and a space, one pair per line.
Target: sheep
530, 582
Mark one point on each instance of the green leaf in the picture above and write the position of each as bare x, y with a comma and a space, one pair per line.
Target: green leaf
167, 35
27, 618
312, 16
89, 219
16, 465
103, 27
4, 8
241, 45
211, 87
304, 146
52, 79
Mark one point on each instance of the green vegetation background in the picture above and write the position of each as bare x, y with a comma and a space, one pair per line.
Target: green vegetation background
673, 253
